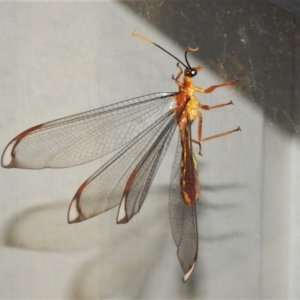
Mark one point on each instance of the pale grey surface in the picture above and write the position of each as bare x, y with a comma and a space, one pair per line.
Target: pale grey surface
63, 58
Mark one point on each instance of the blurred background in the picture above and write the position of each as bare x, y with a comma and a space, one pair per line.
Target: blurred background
59, 59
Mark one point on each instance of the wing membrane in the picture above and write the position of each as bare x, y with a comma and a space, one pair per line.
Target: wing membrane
83, 137
183, 217
104, 189
140, 179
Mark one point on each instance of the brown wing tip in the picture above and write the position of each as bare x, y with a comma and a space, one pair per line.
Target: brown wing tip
74, 214
188, 274
122, 214
8, 156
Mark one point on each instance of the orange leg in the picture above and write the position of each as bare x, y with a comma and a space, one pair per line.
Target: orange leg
199, 133
221, 134
200, 139
200, 127
213, 87
207, 107
178, 76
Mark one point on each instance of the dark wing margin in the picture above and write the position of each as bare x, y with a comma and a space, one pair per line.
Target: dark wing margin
183, 218
83, 137
105, 188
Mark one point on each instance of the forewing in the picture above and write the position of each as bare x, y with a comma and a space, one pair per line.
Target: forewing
140, 179
183, 219
104, 189
83, 137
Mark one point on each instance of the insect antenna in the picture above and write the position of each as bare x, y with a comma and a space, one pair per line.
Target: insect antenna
149, 41
185, 54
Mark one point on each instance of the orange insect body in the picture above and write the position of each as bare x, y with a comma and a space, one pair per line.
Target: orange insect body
190, 184
186, 98
189, 173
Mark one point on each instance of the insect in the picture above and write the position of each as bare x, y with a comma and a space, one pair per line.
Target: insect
141, 129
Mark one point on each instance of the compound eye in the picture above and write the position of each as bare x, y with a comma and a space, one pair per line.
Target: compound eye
193, 72
190, 72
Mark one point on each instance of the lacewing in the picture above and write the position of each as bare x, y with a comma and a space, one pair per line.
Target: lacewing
142, 130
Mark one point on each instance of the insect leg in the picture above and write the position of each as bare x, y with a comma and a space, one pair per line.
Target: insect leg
178, 76
200, 139
221, 134
199, 132
213, 87
207, 107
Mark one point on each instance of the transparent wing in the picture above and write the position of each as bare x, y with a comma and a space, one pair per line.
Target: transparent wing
183, 218
140, 179
105, 188
83, 137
